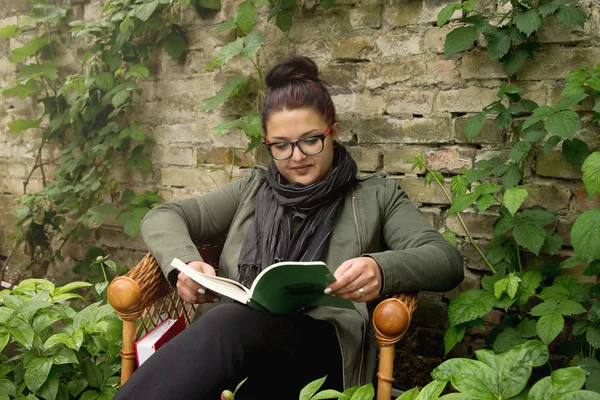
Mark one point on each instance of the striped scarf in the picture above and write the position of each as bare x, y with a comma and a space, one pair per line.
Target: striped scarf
270, 238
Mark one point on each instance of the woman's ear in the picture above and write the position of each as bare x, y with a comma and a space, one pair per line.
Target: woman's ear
335, 132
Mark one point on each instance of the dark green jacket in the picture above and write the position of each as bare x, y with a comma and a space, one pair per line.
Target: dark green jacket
376, 218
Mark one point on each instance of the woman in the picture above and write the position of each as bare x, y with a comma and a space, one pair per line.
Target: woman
308, 205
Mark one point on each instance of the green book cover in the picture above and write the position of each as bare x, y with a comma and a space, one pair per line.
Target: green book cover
280, 288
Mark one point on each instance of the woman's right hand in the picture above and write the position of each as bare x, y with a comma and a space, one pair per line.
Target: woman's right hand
187, 288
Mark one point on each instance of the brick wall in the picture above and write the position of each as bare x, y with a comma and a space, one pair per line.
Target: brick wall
395, 93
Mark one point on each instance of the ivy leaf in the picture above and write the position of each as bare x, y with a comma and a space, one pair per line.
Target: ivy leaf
462, 202
253, 43
571, 15
498, 44
10, 31
21, 53
585, 235
145, 10
563, 124
284, 19
453, 336
226, 53
475, 124
513, 198
470, 305
459, 39
175, 45
529, 236
591, 173
31, 71
246, 16
231, 88
520, 151
20, 125
446, 13
528, 21
549, 326
575, 151
252, 127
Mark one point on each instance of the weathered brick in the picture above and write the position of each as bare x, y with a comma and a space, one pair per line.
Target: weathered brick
564, 226
582, 201
368, 160
451, 159
402, 102
368, 17
400, 13
353, 48
554, 165
173, 155
18, 170
396, 160
553, 30
435, 38
431, 312
359, 103
418, 192
132, 176
397, 45
549, 196
417, 72
433, 215
555, 97
224, 155
477, 65
488, 135
343, 76
480, 226
93, 11
465, 100
391, 130
472, 281
471, 257
203, 180
557, 62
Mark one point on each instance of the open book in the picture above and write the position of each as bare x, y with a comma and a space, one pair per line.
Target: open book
280, 288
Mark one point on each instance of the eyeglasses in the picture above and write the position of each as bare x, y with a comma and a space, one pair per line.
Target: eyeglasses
309, 146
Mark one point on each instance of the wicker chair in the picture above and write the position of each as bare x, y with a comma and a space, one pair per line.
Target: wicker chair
143, 295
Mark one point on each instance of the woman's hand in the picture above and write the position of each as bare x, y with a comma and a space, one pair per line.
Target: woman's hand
187, 288
355, 274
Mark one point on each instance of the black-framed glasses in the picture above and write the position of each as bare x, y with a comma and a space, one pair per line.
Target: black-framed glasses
309, 146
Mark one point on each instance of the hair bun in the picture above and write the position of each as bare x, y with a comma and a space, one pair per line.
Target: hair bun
297, 68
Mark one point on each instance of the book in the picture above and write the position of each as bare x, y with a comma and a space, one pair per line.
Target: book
157, 337
280, 288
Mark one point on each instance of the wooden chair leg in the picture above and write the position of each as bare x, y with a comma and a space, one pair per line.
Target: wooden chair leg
124, 295
391, 320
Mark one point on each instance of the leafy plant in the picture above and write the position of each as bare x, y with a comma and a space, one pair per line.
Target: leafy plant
52, 351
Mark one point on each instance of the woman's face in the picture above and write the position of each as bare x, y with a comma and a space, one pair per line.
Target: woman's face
293, 125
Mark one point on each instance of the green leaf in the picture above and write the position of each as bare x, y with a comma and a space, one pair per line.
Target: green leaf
450, 237
175, 45
549, 326
570, 101
49, 389
453, 336
530, 281
500, 287
498, 44
529, 236
210, 4
446, 13
514, 61
10, 31
4, 338
462, 202
475, 175
431, 391
309, 390
77, 386
459, 39
21, 125
591, 173
120, 98
145, 10
585, 235
520, 151
225, 26
507, 339
594, 83
571, 307
528, 21
284, 18
458, 184
513, 198
593, 335
571, 15
503, 120
470, 305
21, 53
475, 124
23, 334
485, 201
409, 394
65, 356
252, 43
470, 377
551, 143
516, 365
246, 16
513, 286
36, 372
231, 88
226, 53
512, 176
552, 243
105, 81
138, 70
538, 217
70, 287
591, 367
593, 269
563, 124
575, 151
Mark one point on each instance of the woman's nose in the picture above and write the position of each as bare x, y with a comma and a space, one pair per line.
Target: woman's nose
297, 155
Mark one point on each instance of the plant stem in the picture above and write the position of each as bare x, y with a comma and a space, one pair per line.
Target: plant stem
462, 223
519, 257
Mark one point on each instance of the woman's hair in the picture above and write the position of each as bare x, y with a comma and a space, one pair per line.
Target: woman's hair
295, 84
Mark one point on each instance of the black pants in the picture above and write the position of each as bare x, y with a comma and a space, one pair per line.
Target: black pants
279, 354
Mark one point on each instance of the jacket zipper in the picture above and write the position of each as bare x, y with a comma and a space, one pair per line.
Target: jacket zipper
362, 347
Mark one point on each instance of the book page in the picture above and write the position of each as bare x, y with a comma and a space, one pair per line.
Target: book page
217, 284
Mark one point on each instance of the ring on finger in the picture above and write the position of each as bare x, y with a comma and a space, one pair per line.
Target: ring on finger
361, 291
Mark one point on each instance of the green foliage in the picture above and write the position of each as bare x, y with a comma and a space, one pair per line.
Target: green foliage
53, 351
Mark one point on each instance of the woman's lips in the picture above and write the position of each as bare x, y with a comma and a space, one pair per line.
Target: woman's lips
302, 169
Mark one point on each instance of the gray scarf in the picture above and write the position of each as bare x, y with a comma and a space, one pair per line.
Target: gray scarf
269, 238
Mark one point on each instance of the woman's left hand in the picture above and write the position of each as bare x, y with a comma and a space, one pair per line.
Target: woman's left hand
358, 279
